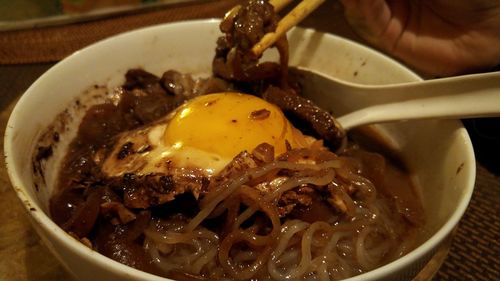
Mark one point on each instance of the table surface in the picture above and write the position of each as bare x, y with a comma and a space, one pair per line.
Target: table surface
473, 253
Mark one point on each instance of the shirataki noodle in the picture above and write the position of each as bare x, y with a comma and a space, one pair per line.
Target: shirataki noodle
270, 248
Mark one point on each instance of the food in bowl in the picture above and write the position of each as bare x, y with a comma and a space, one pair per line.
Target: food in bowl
184, 201
279, 205
439, 153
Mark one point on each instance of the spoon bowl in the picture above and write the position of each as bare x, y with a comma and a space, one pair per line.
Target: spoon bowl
467, 96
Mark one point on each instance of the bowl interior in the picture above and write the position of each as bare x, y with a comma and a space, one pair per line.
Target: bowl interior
438, 152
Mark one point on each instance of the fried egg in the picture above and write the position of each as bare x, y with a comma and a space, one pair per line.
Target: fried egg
205, 133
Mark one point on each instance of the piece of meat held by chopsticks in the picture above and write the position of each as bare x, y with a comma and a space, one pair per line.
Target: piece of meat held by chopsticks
302, 10
249, 30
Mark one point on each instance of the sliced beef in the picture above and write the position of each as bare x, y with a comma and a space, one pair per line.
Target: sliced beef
243, 27
144, 191
307, 115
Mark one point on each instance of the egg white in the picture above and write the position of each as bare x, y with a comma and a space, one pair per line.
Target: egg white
149, 154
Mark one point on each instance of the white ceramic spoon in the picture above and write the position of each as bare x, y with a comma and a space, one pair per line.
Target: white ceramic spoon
467, 96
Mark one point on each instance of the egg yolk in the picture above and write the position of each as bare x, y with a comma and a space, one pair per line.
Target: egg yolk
229, 123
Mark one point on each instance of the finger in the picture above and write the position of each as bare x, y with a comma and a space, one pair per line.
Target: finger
370, 18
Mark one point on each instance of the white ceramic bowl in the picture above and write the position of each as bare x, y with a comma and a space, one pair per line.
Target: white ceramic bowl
439, 152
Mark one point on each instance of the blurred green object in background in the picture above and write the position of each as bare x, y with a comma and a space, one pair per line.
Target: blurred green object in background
19, 10
15, 10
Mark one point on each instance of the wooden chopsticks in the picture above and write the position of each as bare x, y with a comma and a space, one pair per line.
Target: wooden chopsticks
302, 10
279, 4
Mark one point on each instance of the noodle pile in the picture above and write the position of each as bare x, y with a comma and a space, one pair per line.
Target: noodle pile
253, 242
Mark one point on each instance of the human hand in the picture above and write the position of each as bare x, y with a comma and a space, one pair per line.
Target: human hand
438, 37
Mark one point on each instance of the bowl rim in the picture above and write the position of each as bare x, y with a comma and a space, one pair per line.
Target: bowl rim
43, 220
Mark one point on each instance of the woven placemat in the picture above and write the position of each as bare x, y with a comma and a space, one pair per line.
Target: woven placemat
51, 44
475, 252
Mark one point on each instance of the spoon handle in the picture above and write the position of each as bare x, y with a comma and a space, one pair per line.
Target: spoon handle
466, 96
